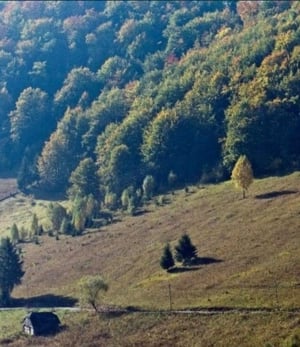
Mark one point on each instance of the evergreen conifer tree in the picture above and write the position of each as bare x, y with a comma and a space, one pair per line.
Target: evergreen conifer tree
186, 252
10, 270
167, 260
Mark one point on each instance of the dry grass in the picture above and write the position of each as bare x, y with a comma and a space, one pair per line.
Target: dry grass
255, 243
149, 330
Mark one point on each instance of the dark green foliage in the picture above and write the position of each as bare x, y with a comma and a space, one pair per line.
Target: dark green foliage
34, 225
216, 79
84, 179
31, 115
66, 226
10, 270
56, 214
167, 261
185, 251
84, 210
62, 153
15, 235
27, 173
111, 201
132, 205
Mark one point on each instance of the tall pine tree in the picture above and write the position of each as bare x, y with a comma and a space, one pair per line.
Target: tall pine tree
10, 270
186, 252
167, 261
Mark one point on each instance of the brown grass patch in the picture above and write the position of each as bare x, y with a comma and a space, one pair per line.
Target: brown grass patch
256, 240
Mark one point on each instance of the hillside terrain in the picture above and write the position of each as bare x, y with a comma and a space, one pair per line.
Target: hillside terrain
248, 257
120, 125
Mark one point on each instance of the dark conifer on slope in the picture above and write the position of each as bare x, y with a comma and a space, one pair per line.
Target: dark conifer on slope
186, 252
167, 261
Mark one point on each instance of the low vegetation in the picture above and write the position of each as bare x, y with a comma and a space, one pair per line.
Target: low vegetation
247, 257
159, 329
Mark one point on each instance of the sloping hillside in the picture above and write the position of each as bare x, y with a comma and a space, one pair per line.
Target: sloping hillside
252, 260
250, 245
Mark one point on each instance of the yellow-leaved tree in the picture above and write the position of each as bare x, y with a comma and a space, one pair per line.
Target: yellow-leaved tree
242, 174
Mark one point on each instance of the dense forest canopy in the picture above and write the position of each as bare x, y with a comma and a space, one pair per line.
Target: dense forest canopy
134, 88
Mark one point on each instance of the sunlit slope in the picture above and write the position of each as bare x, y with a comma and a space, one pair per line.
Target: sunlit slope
251, 248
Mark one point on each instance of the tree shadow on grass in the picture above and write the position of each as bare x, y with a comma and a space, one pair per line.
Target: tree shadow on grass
195, 264
176, 270
47, 300
275, 194
206, 261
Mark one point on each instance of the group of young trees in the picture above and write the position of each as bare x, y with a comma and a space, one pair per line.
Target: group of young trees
22, 234
185, 252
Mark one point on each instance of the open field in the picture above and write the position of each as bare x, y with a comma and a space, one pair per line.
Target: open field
248, 257
145, 330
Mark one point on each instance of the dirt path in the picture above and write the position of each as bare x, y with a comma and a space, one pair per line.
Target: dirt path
208, 311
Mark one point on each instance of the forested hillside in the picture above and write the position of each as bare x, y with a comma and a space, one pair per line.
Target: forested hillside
97, 95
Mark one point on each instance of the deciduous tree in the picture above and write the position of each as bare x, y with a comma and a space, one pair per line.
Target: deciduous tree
242, 174
90, 290
84, 179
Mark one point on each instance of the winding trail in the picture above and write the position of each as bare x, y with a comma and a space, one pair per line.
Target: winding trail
207, 311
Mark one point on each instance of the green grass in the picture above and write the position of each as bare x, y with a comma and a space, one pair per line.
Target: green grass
138, 329
10, 323
255, 242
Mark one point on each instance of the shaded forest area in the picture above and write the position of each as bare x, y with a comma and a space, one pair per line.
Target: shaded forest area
97, 95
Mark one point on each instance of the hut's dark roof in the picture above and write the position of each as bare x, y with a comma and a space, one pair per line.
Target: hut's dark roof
43, 321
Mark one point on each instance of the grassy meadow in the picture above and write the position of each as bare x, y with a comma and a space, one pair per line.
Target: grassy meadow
149, 330
248, 253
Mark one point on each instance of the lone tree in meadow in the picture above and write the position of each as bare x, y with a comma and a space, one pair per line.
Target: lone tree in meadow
10, 270
186, 252
90, 290
167, 260
242, 174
